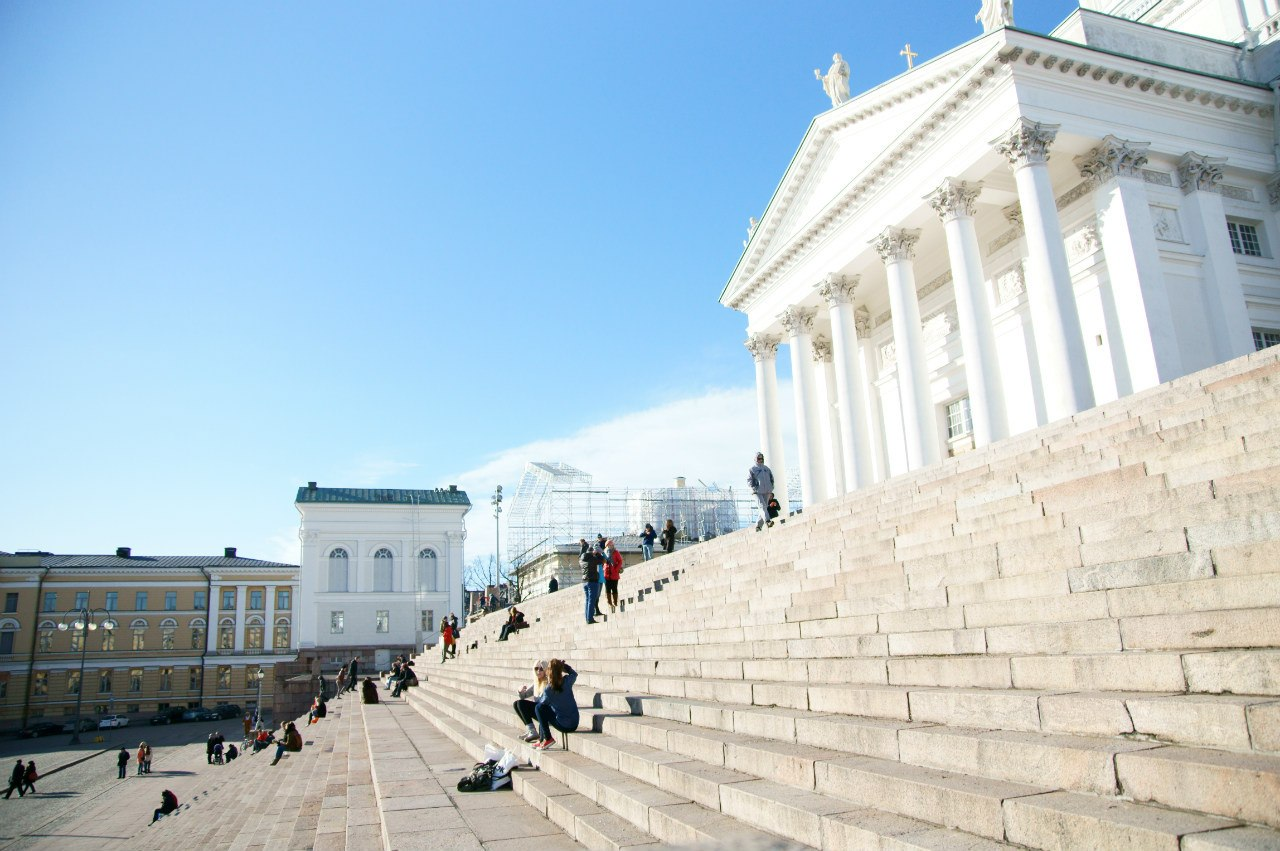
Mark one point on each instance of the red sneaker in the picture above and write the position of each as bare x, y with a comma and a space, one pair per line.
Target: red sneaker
544, 744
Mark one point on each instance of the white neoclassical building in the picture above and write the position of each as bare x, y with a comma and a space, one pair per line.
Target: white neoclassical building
1015, 231
380, 568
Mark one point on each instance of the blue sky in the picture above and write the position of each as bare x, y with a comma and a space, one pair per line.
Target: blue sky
246, 245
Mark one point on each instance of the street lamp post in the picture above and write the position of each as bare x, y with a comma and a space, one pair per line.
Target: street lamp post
85, 620
497, 558
257, 704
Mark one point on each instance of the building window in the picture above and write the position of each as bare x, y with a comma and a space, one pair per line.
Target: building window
383, 564
139, 637
82, 600
226, 636
224, 676
113, 601
140, 601
427, 570
11, 601
253, 636
201, 601
171, 601
428, 620
1265, 338
51, 601
193, 679
255, 599
1244, 238
6, 641
282, 635
73, 682
135, 680
228, 599
382, 620
197, 635
283, 603
166, 679
42, 683
104, 681
166, 637
108, 639
338, 570
77, 640
335, 623
959, 420
46, 640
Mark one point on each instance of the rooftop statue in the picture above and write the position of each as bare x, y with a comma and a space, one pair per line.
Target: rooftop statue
995, 14
836, 82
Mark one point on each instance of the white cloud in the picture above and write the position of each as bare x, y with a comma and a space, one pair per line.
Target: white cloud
711, 438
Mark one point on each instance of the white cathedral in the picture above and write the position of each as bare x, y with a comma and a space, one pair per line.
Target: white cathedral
1018, 230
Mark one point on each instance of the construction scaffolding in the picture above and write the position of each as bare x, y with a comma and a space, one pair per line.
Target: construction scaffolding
556, 505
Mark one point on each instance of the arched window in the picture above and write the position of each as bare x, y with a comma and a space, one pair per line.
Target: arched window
427, 562
168, 628
227, 634
383, 566
254, 632
8, 628
197, 634
338, 570
281, 638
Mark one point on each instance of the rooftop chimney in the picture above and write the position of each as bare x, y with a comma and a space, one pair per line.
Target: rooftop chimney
229, 552
311, 486
679, 481
123, 552
453, 488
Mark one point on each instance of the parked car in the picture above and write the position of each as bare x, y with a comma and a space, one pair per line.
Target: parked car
86, 724
167, 716
199, 714
227, 710
111, 721
40, 728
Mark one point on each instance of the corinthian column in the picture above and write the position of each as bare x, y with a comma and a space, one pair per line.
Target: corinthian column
1148, 352
954, 202
897, 249
764, 351
825, 390
1231, 332
798, 322
855, 452
1055, 319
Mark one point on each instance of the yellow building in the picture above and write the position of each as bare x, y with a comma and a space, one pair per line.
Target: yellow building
188, 631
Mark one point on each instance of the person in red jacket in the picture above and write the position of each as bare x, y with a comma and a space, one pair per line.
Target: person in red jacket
446, 640
612, 573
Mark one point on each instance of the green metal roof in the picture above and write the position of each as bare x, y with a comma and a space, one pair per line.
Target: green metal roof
384, 496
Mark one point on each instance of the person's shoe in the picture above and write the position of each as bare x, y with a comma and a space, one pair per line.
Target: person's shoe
782, 521
613, 608
544, 744
770, 524
531, 738
274, 761
760, 525
591, 620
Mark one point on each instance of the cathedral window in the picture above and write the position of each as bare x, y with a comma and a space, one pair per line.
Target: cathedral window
1244, 238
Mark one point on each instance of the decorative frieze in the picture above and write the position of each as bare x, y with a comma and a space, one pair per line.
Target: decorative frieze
895, 244
1027, 143
934, 285
1113, 157
1157, 178
1075, 193
798, 320
1011, 283
763, 347
1239, 193
1004, 239
1166, 224
955, 198
1198, 173
1083, 242
838, 289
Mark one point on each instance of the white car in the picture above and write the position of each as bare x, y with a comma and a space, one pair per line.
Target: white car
113, 721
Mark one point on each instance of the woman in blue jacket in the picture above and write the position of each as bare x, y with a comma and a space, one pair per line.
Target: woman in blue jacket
556, 706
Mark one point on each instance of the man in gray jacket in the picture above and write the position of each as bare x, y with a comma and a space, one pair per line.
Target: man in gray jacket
760, 478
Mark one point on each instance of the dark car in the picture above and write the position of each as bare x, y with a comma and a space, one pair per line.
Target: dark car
167, 716
85, 724
227, 710
40, 728
200, 714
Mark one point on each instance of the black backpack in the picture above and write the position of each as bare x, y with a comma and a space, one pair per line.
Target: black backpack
480, 779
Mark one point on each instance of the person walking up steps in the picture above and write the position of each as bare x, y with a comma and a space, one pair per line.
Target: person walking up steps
760, 478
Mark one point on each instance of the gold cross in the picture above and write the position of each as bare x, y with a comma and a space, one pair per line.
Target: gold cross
910, 56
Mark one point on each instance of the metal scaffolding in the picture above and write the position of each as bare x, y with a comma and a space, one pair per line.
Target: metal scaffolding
556, 505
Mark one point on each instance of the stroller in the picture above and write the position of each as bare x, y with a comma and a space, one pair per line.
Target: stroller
217, 754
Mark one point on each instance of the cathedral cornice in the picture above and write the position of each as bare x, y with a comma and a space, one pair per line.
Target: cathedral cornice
968, 79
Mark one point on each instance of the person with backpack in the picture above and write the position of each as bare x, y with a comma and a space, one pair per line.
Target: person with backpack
292, 741
760, 478
168, 803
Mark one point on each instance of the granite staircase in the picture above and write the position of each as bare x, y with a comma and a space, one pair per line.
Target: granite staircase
1065, 640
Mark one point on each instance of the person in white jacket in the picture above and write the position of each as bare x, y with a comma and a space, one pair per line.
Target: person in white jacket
760, 478
526, 698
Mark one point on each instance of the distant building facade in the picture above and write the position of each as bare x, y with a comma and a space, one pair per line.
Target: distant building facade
189, 631
380, 568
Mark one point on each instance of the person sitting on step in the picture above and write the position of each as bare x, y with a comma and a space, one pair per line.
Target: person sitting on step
556, 706
168, 803
292, 741
368, 691
515, 622
527, 695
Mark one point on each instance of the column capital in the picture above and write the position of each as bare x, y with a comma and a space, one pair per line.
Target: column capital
1113, 157
838, 289
1197, 172
798, 320
455, 537
1026, 143
955, 198
821, 349
1273, 191
896, 244
763, 347
862, 321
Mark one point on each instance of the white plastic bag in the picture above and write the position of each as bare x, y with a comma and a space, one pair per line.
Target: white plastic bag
506, 762
492, 753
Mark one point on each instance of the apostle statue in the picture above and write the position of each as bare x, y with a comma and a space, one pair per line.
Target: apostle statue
995, 14
836, 82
